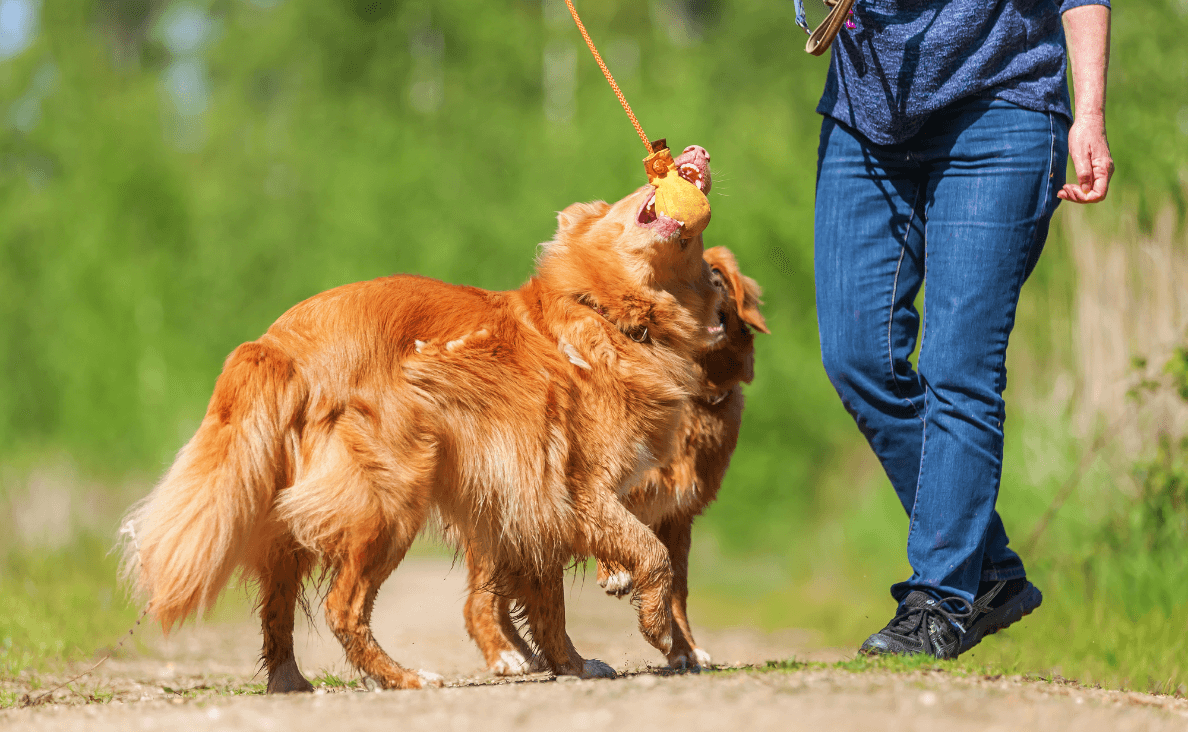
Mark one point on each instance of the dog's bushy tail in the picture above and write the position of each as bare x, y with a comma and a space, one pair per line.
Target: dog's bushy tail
183, 542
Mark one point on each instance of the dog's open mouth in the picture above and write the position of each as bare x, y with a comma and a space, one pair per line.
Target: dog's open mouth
693, 166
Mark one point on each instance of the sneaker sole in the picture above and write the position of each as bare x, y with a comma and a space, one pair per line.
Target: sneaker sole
1019, 607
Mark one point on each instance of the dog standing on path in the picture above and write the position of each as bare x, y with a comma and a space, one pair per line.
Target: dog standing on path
669, 498
517, 418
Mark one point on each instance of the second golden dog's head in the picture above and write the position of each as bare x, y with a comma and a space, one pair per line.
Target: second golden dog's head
733, 359
633, 266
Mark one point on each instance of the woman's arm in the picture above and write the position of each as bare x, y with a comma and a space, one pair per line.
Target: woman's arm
1087, 30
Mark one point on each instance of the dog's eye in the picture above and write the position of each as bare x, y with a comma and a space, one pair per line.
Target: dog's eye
717, 280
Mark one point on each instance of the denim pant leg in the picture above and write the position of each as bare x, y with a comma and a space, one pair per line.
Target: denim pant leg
874, 205
868, 269
993, 172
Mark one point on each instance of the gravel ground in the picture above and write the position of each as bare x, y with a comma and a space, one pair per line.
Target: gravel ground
196, 680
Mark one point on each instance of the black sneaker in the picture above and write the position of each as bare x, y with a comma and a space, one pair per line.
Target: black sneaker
923, 625
998, 605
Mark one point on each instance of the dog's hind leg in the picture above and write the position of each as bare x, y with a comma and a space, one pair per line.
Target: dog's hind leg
489, 623
361, 511
367, 560
542, 593
280, 587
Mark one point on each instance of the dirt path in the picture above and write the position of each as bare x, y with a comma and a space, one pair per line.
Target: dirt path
189, 682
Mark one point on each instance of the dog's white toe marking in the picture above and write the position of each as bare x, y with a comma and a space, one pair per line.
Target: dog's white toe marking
428, 678
702, 657
419, 345
595, 669
511, 663
619, 584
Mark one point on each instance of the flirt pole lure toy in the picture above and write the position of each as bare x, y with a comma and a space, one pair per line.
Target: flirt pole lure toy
676, 198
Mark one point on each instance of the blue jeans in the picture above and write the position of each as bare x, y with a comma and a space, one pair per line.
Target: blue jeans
963, 206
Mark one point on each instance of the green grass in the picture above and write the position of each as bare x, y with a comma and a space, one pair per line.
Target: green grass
59, 605
227, 689
331, 681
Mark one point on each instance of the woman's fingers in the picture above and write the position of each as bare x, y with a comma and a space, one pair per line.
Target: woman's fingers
1090, 154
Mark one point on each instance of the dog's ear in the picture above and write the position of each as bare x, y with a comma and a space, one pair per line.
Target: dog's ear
749, 309
578, 217
743, 290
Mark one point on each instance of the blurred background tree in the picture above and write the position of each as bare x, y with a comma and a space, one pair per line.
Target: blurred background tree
176, 174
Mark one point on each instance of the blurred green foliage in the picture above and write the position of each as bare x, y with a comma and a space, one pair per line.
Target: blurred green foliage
178, 174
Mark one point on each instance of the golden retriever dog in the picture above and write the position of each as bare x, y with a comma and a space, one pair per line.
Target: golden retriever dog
515, 418
668, 498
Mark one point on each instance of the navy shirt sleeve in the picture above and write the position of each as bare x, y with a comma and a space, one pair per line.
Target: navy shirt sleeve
1070, 4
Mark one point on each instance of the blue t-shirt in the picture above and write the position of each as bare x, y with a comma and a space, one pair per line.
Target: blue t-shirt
909, 58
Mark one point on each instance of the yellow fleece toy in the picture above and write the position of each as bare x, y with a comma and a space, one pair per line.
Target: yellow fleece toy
676, 198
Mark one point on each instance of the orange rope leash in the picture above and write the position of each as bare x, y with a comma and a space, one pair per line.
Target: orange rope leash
606, 72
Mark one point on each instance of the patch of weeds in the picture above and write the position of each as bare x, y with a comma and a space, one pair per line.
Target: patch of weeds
252, 689
8, 699
184, 693
227, 689
98, 695
790, 665
786, 666
331, 681
897, 664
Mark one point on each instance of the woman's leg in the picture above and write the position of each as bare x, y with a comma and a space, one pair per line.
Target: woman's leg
993, 172
869, 265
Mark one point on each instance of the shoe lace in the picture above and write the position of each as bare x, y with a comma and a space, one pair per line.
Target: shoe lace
911, 619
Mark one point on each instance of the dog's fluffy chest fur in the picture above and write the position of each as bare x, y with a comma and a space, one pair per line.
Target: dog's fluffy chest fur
703, 443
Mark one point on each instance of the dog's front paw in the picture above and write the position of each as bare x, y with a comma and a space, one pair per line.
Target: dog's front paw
702, 657
595, 669
428, 678
618, 584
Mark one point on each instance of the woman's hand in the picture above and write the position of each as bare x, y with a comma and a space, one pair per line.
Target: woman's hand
1090, 153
